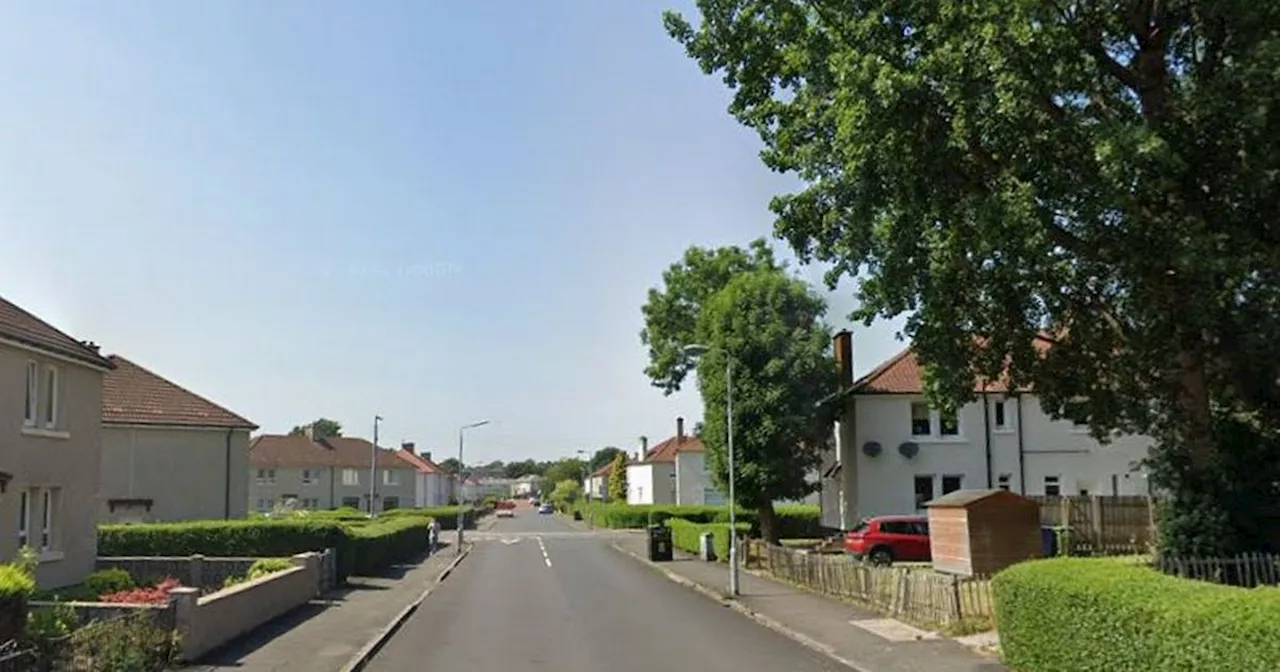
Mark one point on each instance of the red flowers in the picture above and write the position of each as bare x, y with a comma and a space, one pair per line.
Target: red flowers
158, 594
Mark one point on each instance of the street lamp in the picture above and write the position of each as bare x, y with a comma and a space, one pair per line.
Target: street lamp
373, 464
695, 351
461, 430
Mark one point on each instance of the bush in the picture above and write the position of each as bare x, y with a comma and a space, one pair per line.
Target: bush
15, 583
133, 642
447, 515
373, 548
157, 594
266, 566
105, 581
1101, 614
687, 536
795, 521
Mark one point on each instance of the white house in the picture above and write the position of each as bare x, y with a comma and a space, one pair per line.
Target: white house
893, 452
596, 485
673, 472
431, 486
526, 486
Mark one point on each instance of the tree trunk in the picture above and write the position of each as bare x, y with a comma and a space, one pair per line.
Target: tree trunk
768, 522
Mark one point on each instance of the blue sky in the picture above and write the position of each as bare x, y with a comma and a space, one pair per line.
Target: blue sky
436, 212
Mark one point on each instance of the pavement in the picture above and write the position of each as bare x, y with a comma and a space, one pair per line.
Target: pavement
539, 595
861, 639
326, 634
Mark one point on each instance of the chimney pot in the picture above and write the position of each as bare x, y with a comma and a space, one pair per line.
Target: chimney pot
407, 446
842, 343
680, 429
644, 445
427, 455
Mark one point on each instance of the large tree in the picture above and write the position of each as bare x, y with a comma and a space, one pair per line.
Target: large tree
326, 427
1108, 171
604, 456
769, 326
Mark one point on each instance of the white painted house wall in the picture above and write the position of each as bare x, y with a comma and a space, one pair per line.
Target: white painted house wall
651, 483
691, 479
885, 484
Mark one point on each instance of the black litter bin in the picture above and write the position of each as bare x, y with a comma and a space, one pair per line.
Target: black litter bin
1049, 541
659, 543
577, 515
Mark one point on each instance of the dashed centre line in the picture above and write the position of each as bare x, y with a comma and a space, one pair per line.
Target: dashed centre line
545, 558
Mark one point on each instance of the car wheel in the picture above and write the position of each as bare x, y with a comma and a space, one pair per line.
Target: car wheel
881, 557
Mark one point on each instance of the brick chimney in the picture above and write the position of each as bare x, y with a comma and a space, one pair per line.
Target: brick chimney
644, 445
407, 446
427, 455
679, 430
842, 343
314, 433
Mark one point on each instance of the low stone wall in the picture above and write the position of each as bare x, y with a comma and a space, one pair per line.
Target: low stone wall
195, 571
208, 622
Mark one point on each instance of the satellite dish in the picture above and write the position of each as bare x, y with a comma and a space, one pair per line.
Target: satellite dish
871, 448
909, 449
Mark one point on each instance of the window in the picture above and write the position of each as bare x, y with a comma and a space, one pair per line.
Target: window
311, 503
47, 502
1052, 486
389, 503
266, 504
896, 527
1002, 413
50, 397
921, 420
350, 477
309, 477
351, 502
924, 491
1003, 482
951, 483
33, 394
926, 422
24, 519
390, 477
266, 476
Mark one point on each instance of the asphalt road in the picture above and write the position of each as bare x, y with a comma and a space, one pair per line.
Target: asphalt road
569, 603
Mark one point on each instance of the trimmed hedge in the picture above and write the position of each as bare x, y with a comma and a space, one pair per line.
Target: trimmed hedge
15, 583
363, 546
687, 536
447, 515
795, 521
1102, 614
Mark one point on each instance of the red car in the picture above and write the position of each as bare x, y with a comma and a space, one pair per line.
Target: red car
884, 539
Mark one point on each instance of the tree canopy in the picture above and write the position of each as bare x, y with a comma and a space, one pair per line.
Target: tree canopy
325, 425
769, 325
1108, 172
618, 479
602, 457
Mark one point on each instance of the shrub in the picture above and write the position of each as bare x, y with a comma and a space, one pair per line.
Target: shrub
157, 594
241, 538
133, 643
687, 536
1101, 614
106, 581
447, 515
15, 583
373, 548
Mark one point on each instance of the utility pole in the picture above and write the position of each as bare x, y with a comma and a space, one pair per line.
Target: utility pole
373, 465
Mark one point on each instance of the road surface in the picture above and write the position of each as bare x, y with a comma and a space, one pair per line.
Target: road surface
537, 596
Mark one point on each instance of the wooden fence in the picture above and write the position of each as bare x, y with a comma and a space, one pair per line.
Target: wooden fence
1102, 525
1248, 571
915, 594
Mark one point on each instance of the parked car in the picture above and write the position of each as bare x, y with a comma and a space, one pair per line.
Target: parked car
887, 539
505, 509
546, 508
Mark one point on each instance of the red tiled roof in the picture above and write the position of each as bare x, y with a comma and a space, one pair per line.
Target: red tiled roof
422, 464
603, 471
667, 450
903, 374
278, 450
18, 325
133, 395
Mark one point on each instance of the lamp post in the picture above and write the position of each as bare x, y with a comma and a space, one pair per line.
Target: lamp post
373, 465
694, 351
461, 431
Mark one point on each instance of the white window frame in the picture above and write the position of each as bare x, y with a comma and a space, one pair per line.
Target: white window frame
24, 518
351, 477
1010, 416
390, 477
31, 412
266, 476
1056, 481
310, 477
935, 434
52, 379
1004, 482
47, 504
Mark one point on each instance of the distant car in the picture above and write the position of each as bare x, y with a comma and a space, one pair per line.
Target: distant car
887, 539
506, 513
533, 501
546, 508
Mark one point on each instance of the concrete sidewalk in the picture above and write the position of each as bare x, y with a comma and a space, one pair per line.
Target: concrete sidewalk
860, 639
325, 634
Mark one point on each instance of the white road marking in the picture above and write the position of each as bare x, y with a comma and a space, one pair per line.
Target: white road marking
545, 558
510, 541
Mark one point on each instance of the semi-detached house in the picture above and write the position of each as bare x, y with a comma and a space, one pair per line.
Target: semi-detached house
313, 471
893, 452
50, 446
672, 472
432, 487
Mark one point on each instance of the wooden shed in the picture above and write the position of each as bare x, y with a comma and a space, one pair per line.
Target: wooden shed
980, 532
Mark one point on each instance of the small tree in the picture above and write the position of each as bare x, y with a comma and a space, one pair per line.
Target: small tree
566, 493
618, 479
325, 426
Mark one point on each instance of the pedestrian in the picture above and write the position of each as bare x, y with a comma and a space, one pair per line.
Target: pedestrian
435, 534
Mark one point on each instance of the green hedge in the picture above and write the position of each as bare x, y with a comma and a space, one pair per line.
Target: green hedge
1103, 614
364, 546
687, 536
15, 583
795, 521
447, 515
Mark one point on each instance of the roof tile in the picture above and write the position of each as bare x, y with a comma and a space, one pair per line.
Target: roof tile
18, 325
903, 374
279, 450
134, 395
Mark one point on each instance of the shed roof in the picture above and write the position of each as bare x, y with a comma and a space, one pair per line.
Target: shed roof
963, 498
